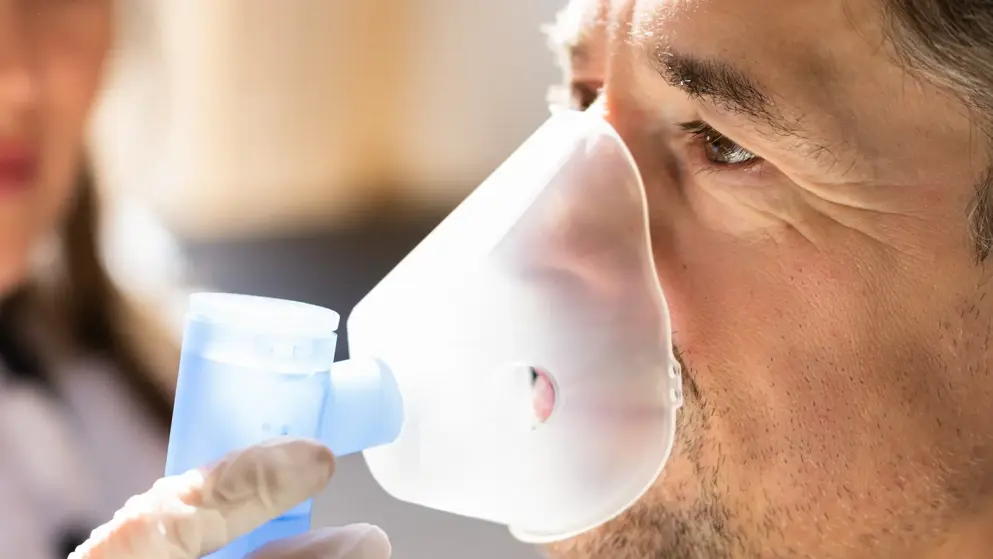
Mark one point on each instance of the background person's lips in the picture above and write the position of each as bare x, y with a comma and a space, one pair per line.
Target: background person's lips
18, 165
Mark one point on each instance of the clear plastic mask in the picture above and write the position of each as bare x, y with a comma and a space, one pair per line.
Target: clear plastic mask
530, 339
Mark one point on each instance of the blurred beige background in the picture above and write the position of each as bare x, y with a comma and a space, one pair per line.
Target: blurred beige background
299, 149
241, 117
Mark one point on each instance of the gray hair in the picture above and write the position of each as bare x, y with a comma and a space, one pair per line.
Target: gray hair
950, 44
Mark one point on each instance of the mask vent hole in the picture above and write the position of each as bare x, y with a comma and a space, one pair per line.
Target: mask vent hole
543, 394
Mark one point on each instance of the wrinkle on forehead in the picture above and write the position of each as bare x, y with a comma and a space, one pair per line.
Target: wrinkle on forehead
765, 41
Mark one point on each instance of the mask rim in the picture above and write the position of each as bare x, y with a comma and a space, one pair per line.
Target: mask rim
595, 115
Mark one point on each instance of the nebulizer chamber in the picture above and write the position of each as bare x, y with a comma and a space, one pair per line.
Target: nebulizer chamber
538, 290
254, 368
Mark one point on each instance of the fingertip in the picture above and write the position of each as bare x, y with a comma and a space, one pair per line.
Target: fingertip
263, 481
355, 541
373, 541
304, 452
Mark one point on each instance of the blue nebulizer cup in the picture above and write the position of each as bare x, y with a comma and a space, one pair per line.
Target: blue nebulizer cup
255, 368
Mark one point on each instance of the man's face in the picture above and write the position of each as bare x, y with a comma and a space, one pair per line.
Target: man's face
809, 204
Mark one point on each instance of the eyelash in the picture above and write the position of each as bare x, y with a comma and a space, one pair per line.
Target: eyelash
702, 135
705, 138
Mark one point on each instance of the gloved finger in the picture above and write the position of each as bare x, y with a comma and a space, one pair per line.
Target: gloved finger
356, 541
187, 516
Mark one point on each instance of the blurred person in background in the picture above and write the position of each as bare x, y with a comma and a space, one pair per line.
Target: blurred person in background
86, 375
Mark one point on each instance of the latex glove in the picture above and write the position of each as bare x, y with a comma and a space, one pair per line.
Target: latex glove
193, 514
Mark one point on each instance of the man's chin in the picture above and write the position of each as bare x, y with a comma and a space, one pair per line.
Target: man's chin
654, 528
679, 517
646, 531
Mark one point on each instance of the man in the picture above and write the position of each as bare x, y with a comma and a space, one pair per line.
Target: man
818, 173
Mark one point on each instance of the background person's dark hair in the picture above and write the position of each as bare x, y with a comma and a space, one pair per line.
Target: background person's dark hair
950, 43
73, 309
102, 320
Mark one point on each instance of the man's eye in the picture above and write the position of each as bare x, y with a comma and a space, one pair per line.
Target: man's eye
718, 149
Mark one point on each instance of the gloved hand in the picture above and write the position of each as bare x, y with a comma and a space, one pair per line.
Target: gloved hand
190, 515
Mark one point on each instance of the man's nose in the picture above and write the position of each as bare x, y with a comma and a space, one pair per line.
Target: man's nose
669, 214
17, 76
588, 229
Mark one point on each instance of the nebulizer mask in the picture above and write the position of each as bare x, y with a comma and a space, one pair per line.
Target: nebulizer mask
517, 365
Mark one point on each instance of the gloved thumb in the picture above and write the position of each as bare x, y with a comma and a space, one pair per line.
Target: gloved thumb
186, 516
356, 541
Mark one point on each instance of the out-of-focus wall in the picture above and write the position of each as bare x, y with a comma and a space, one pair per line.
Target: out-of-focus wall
474, 89
245, 117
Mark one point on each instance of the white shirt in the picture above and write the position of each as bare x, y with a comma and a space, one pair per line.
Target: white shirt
70, 463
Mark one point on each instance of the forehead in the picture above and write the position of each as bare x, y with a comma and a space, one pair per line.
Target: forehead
798, 48
816, 40
765, 21
581, 19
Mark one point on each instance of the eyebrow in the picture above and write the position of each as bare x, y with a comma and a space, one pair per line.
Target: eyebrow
721, 84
